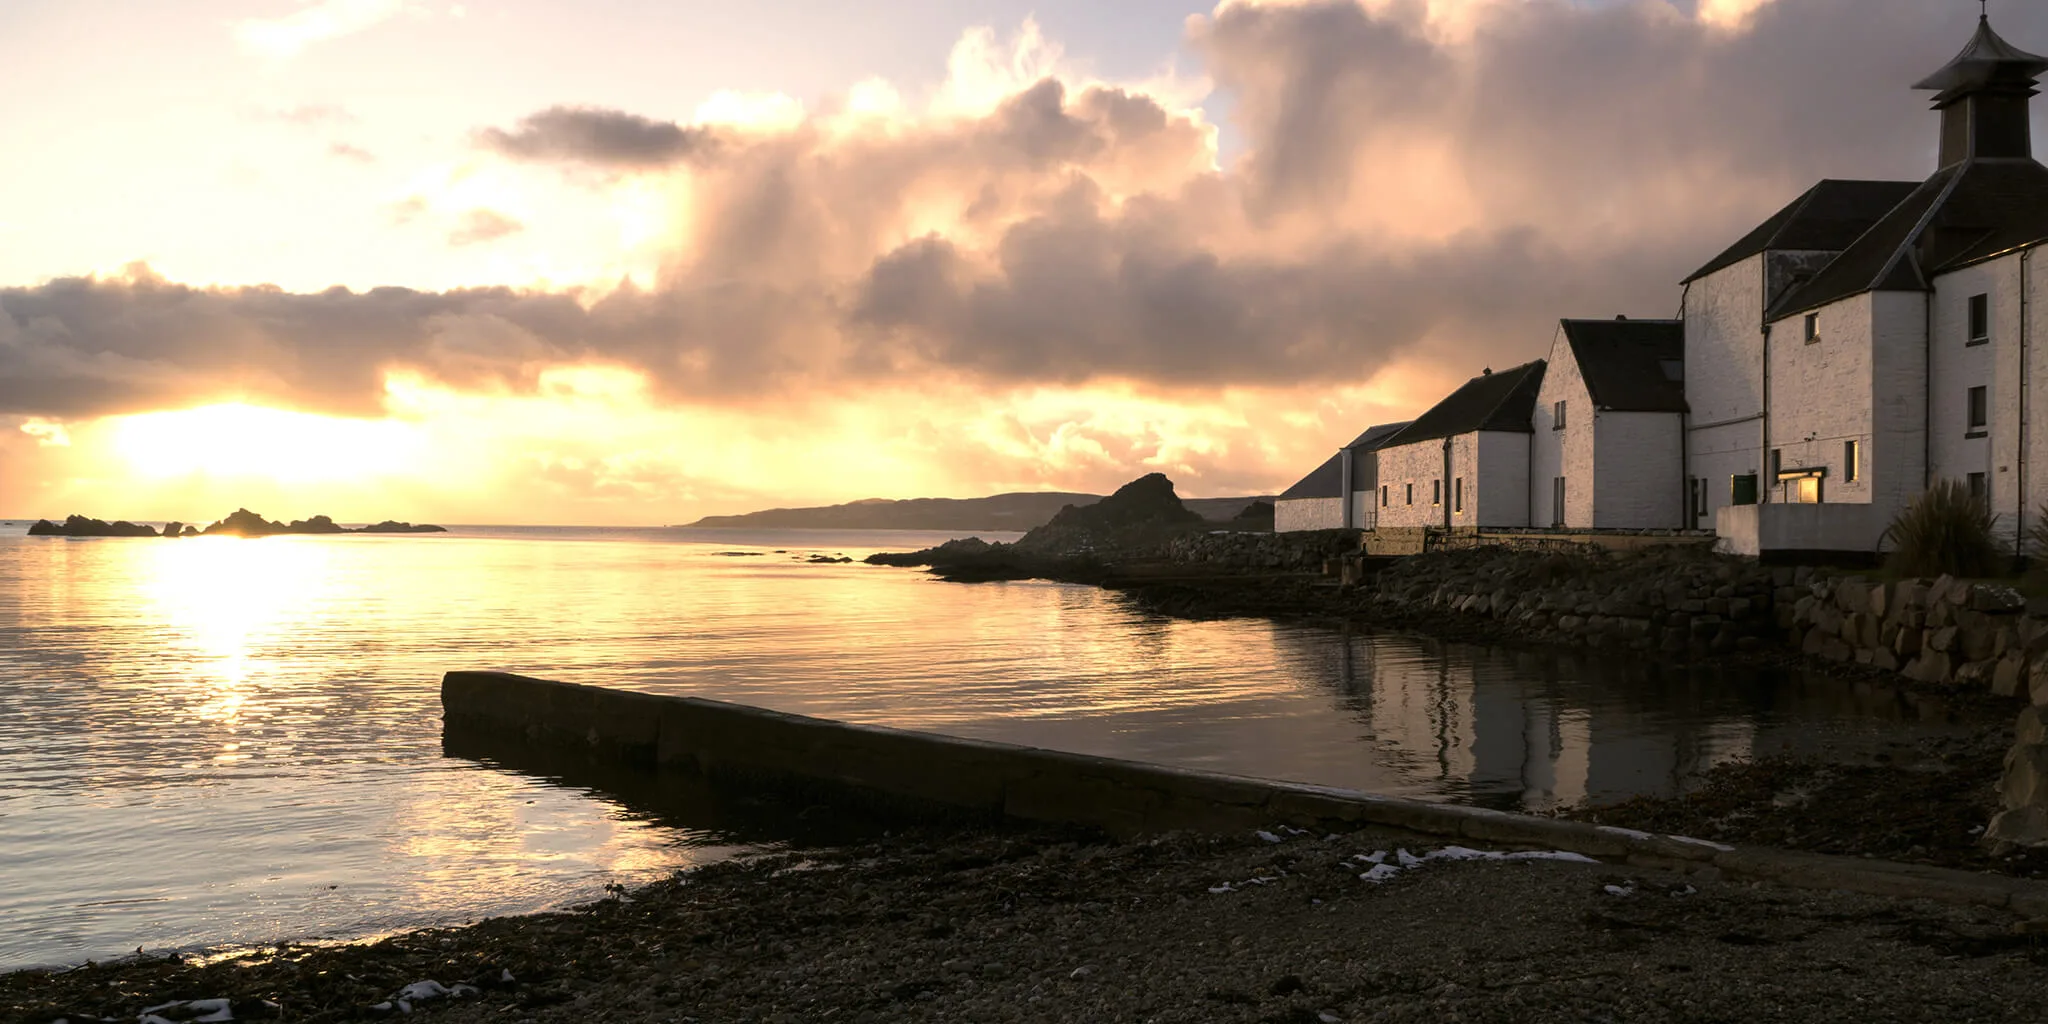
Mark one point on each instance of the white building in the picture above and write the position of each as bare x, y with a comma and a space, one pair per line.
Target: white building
1465, 462
1609, 427
1318, 500
1865, 341
1874, 337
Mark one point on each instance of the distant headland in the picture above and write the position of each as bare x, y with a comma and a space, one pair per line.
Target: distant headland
1017, 512
242, 523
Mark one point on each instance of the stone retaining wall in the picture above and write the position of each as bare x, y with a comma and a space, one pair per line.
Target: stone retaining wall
1230, 551
982, 778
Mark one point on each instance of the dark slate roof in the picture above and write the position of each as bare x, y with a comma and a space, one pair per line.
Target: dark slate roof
1324, 481
1490, 401
1965, 213
1375, 438
1625, 363
1987, 60
1827, 217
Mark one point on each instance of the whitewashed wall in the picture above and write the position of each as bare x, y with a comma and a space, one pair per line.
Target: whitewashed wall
1568, 452
1502, 497
2034, 468
1955, 366
1639, 482
1724, 377
1365, 507
1896, 465
1820, 395
1294, 514
1418, 464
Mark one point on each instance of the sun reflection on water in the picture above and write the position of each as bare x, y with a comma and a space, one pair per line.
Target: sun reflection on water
221, 601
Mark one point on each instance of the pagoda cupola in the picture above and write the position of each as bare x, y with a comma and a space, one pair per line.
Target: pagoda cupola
1983, 97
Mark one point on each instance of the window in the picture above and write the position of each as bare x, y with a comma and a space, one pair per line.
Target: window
1410, 488
1979, 414
1383, 495
1977, 487
1696, 495
1436, 492
1458, 495
1557, 415
1777, 461
1557, 501
1980, 319
1806, 490
1742, 489
1812, 328
1850, 471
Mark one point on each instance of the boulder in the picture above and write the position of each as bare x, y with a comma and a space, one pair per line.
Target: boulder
1883, 658
1852, 595
2011, 671
2025, 782
2032, 726
2020, 826
1975, 673
1930, 667
1943, 639
1996, 598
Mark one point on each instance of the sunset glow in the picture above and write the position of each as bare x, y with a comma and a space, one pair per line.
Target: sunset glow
714, 265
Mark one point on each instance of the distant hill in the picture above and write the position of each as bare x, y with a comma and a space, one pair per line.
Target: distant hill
1017, 512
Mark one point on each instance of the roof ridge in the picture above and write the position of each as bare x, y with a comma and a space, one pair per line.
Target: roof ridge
1509, 391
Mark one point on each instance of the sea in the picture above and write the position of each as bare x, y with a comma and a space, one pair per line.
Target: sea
214, 744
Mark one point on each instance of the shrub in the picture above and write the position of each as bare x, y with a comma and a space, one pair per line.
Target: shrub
1945, 530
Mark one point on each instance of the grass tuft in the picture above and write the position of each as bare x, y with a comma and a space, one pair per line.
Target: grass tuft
1945, 530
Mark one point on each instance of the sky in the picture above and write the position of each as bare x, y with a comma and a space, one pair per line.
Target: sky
510, 261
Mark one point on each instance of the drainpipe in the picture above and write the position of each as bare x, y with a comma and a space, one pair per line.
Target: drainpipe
1763, 451
2019, 534
1445, 496
1344, 486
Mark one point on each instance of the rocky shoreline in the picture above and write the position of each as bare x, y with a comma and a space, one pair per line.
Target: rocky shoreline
240, 523
999, 925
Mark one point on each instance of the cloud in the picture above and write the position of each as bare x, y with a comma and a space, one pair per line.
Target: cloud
286, 37
481, 225
307, 115
1413, 192
608, 139
351, 152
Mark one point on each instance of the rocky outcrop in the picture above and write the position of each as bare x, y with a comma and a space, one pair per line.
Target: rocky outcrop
244, 523
1141, 515
80, 526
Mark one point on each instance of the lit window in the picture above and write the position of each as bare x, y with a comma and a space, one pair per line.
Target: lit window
1979, 409
1806, 490
1980, 319
1812, 328
1850, 451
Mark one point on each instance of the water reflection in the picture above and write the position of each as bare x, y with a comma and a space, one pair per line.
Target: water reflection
237, 741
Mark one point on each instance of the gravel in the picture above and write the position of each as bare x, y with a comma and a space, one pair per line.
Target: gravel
932, 925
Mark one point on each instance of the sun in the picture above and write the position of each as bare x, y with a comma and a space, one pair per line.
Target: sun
236, 440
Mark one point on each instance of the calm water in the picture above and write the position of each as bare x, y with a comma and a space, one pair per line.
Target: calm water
217, 741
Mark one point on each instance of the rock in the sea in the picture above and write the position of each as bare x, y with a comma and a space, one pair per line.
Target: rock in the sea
80, 526
317, 524
244, 523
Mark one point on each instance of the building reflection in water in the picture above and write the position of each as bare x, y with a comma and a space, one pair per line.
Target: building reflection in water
1540, 730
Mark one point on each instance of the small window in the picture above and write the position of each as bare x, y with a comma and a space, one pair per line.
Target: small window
1812, 328
1850, 470
1410, 496
1742, 489
1977, 486
1557, 415
1979, 410
1980, 319
1458, 495
1436, 492
1557, 501
1383, 495
1777, 461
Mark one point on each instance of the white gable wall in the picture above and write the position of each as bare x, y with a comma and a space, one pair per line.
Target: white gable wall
1495, 467
1896, 466
1820, 397
1724, 344
1567, 453
1955, 366
1638, 484
1416, 465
